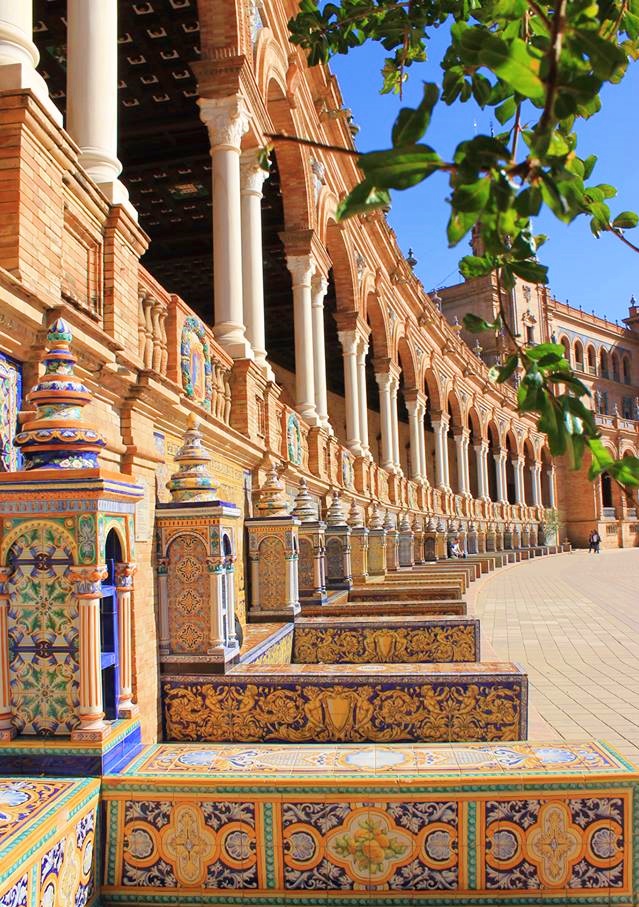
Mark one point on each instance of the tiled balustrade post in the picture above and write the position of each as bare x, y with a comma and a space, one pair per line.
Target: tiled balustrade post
124, 587
87, 582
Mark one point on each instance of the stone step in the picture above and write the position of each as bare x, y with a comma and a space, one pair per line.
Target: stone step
482, 701
385, 640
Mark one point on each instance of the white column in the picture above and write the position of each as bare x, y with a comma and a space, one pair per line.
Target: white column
465, 447
518, 466
87, 588
349, 339
302, 268
415, 448
397, 467
124, 585
440, 427
384, 382
500, 463
19, 56
535, 472
421, 412
483, 486
319, 286
92, 91
461, 442
227, 120
362, 351
552, 497
252, 177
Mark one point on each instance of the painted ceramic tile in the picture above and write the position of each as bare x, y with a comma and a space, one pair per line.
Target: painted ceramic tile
379, 704
170, 844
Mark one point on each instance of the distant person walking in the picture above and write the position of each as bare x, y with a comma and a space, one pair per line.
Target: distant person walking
594, 541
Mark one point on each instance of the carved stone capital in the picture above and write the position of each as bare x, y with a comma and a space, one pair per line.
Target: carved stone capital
302, 268
124, 576
252, 174
226, 119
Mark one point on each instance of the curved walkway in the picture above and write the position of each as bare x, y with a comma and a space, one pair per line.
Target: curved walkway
573, 622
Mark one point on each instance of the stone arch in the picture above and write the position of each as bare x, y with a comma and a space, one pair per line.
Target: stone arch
614, 361
117, 526
591, 359
432, 389
344, 269
293, 166
494, 446
380, 336
407, 361
454, 408
565, 342
474, 423
578, 354
270, 62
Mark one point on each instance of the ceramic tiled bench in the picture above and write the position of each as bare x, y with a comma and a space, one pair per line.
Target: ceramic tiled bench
349, 703
385, 640
408, 592
388, 607
462, 824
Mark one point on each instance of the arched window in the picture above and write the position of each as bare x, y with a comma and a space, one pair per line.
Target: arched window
579, 356
592, 361
615, 367
626, 370
604, 367
566, 345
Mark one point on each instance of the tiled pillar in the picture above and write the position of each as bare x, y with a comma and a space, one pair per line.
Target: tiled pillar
252, 177
227, 120
88, 583
7, 730
124, 587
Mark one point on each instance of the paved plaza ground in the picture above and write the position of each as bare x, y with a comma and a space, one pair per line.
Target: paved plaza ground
573, 622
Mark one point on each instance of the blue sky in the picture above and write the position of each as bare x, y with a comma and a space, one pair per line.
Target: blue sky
599, 274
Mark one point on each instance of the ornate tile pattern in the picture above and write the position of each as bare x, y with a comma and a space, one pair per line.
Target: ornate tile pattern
47, 842
188, 581
363, 703
386, 641
372, 824
43, 627
10, 403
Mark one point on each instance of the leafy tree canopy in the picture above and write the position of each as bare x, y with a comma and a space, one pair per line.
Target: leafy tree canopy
541, 66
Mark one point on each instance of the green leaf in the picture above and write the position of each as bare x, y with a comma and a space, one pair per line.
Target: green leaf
530, 270
472, 196
506, 111
544, 350
411, 124
626, 471
626, 220
364, 197
601, 458
513, 63
475, 325
476, 266
399, 168
459, 224
501, 373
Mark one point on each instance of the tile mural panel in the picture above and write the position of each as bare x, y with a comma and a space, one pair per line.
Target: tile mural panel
338, 703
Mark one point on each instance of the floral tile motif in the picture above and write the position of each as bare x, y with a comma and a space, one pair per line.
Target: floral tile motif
555, 844
370, 846
17, 895
171, 844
